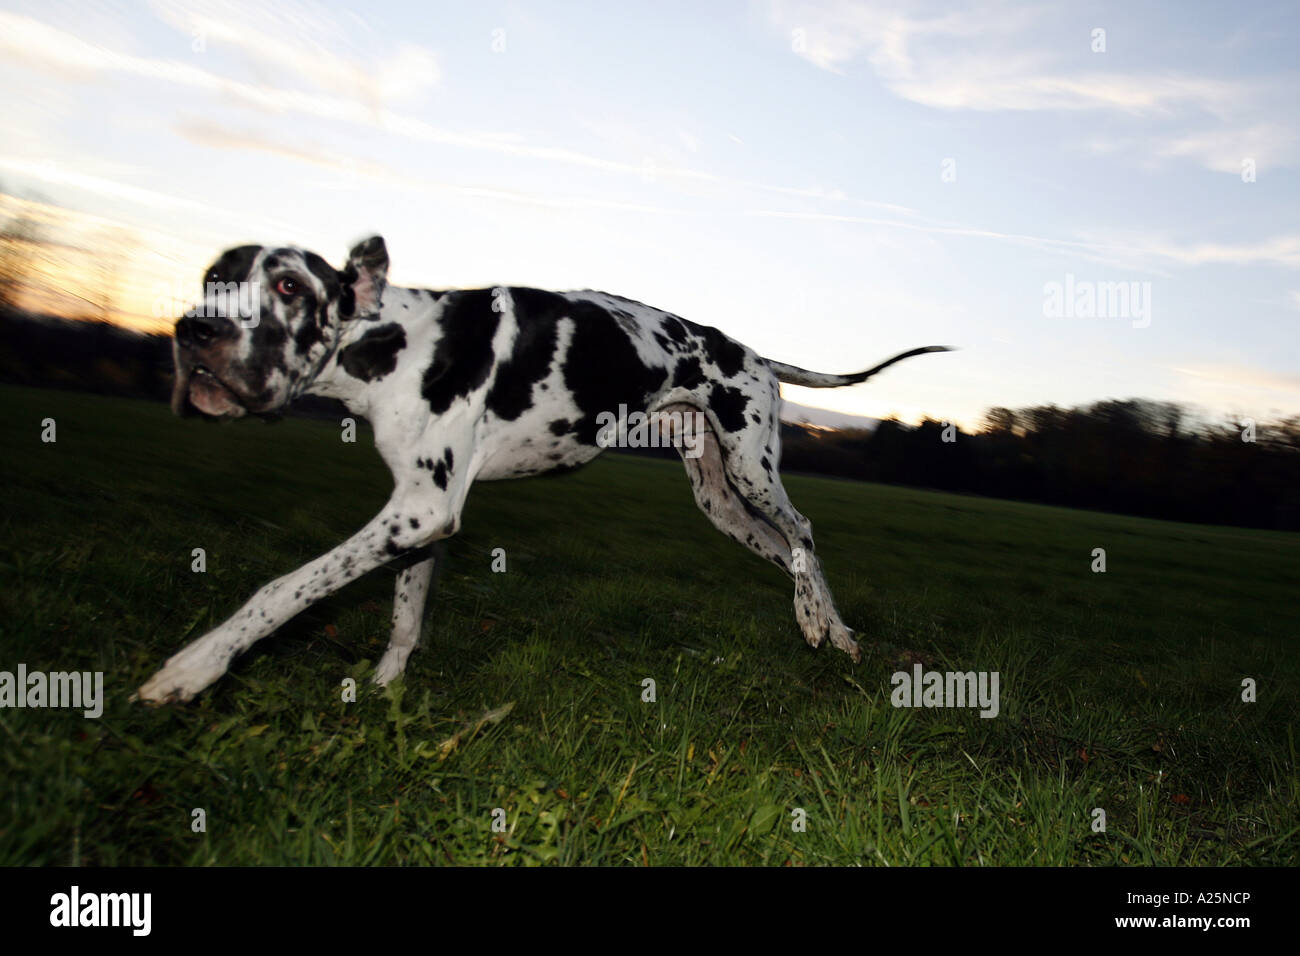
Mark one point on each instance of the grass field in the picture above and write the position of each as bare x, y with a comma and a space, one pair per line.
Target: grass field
1119, 691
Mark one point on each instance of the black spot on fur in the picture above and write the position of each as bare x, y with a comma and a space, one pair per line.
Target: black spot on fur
448, 458
688, 373
309, 333
233, 266
266, 356
462, 359
674, 327
347, 295
440, 476
604, 370
537, 314
727, 355
415, 522
374, 355
560, 426
728, 405
325, 272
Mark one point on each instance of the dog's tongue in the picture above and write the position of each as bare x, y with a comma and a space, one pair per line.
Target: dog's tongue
208, 395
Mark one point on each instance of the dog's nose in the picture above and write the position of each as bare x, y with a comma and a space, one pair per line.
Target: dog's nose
201, 330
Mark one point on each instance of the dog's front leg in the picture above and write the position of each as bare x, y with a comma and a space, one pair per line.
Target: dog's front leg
404, 524
409, 596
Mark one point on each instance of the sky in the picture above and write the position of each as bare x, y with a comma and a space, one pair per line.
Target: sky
1088, 200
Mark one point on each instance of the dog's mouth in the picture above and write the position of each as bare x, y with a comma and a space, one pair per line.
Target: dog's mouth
199, 386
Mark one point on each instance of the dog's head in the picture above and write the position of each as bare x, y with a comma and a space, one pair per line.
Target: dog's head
269, 320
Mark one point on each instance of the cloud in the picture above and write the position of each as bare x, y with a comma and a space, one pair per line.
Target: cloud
352, 169
1283, 250
306, 42
59, 175
28, 40
1268, 144
978, 83
992, 56
1244, 376
197, 215
1140, 253
1239, 387
980, 58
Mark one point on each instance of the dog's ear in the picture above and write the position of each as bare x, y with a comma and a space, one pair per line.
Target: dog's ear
364, 278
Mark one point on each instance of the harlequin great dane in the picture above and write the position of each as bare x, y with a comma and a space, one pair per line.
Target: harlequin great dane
479, 385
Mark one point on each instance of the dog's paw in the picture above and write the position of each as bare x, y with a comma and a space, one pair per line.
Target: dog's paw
183, 676
391, 666
842, 638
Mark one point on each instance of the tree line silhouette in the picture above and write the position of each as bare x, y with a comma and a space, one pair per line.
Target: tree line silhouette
1131, 456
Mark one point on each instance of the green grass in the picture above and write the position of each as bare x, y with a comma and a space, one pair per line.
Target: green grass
1119, 690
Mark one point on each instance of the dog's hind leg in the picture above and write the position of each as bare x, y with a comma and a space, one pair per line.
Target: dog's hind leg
750, 456
717, 499
409, 596
814, 606
745, 518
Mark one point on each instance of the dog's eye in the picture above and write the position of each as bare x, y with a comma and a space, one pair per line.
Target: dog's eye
287, 286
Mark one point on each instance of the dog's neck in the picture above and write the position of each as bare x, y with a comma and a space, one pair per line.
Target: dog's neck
414, 310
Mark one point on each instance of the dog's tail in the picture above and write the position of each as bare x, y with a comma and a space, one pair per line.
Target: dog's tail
793, 375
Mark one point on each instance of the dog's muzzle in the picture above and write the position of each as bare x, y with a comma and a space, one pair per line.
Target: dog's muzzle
197, 385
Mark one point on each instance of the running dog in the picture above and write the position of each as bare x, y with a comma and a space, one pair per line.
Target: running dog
465, 386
